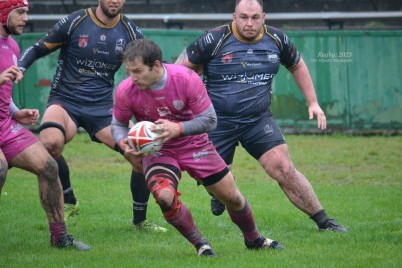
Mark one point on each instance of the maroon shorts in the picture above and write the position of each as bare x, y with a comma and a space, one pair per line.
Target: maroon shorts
198, 157
14, 138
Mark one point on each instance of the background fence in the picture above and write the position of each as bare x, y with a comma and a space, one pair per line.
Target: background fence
357, 77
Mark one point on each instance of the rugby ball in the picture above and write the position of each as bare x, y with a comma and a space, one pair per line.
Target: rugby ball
141, 138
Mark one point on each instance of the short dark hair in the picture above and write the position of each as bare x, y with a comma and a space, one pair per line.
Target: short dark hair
145, 49
259, 2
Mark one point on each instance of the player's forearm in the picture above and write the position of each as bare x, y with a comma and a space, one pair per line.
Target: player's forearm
31, 54
119, 130
13, 108
202, 123
303, 80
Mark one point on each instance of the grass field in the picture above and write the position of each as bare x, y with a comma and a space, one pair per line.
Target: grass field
358, 181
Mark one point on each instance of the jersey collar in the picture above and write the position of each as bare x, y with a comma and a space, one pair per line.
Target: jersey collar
237, 35
92, 13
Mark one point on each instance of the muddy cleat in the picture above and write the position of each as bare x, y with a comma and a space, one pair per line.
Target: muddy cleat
204, 249
263, 243
332, 225
149, 226
69, 242
71, 210
217, 207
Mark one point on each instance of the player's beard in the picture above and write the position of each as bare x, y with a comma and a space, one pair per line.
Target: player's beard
108, 13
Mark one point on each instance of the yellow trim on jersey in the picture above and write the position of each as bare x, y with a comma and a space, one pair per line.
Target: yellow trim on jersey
83, 17
237, 35
101, 24
51, 46
273, 37
128, 29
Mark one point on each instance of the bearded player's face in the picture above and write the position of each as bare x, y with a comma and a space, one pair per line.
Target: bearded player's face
111, 8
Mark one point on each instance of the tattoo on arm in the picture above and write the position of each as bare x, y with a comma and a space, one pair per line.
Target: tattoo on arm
183, 59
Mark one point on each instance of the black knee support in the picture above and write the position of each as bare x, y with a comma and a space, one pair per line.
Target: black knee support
55, 125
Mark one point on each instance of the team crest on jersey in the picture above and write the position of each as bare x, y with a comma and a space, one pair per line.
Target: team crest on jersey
178, 104
120, 45
227, 58
272, 57
83, 41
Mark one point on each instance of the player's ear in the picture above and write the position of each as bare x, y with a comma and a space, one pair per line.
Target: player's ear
158, 63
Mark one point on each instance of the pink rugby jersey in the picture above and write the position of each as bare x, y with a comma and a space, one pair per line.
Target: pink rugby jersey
10, 52
183, 97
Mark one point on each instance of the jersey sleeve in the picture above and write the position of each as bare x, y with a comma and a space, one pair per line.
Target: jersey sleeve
121, 106
134, 30
58, 35
202, 50
289, 55
198, 98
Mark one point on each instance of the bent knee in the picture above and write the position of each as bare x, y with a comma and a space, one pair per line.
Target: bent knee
164, 198
49, 168
54, 148
234, 201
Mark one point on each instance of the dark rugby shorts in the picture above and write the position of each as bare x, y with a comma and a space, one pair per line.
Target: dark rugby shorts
90, 116
257, 138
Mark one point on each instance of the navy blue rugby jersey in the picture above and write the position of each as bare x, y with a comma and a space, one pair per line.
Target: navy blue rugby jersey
90, 55
238, 73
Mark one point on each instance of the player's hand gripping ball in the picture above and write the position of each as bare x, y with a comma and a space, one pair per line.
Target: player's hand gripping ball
141, 138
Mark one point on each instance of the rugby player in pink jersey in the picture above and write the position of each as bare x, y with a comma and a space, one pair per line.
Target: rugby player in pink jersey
175, 98
18, 146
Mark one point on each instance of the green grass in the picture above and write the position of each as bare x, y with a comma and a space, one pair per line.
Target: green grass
358, 181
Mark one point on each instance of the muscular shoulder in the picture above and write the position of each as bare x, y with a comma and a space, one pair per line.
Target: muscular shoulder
135, 31
180, 72
122, 88
12, 43
290, 56
73, 19
208, 44
277, 35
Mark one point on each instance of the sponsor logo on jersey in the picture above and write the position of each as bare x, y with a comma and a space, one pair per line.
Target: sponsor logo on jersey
102, 37
251, 79
120, 46
83, 41
98, 51
94, 64
163, 111
227, 58
208, 38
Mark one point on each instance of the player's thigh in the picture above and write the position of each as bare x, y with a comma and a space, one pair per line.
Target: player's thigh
3, 161
225, 190
57, 114
34, 158
105, 136
261, 137
3, 168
